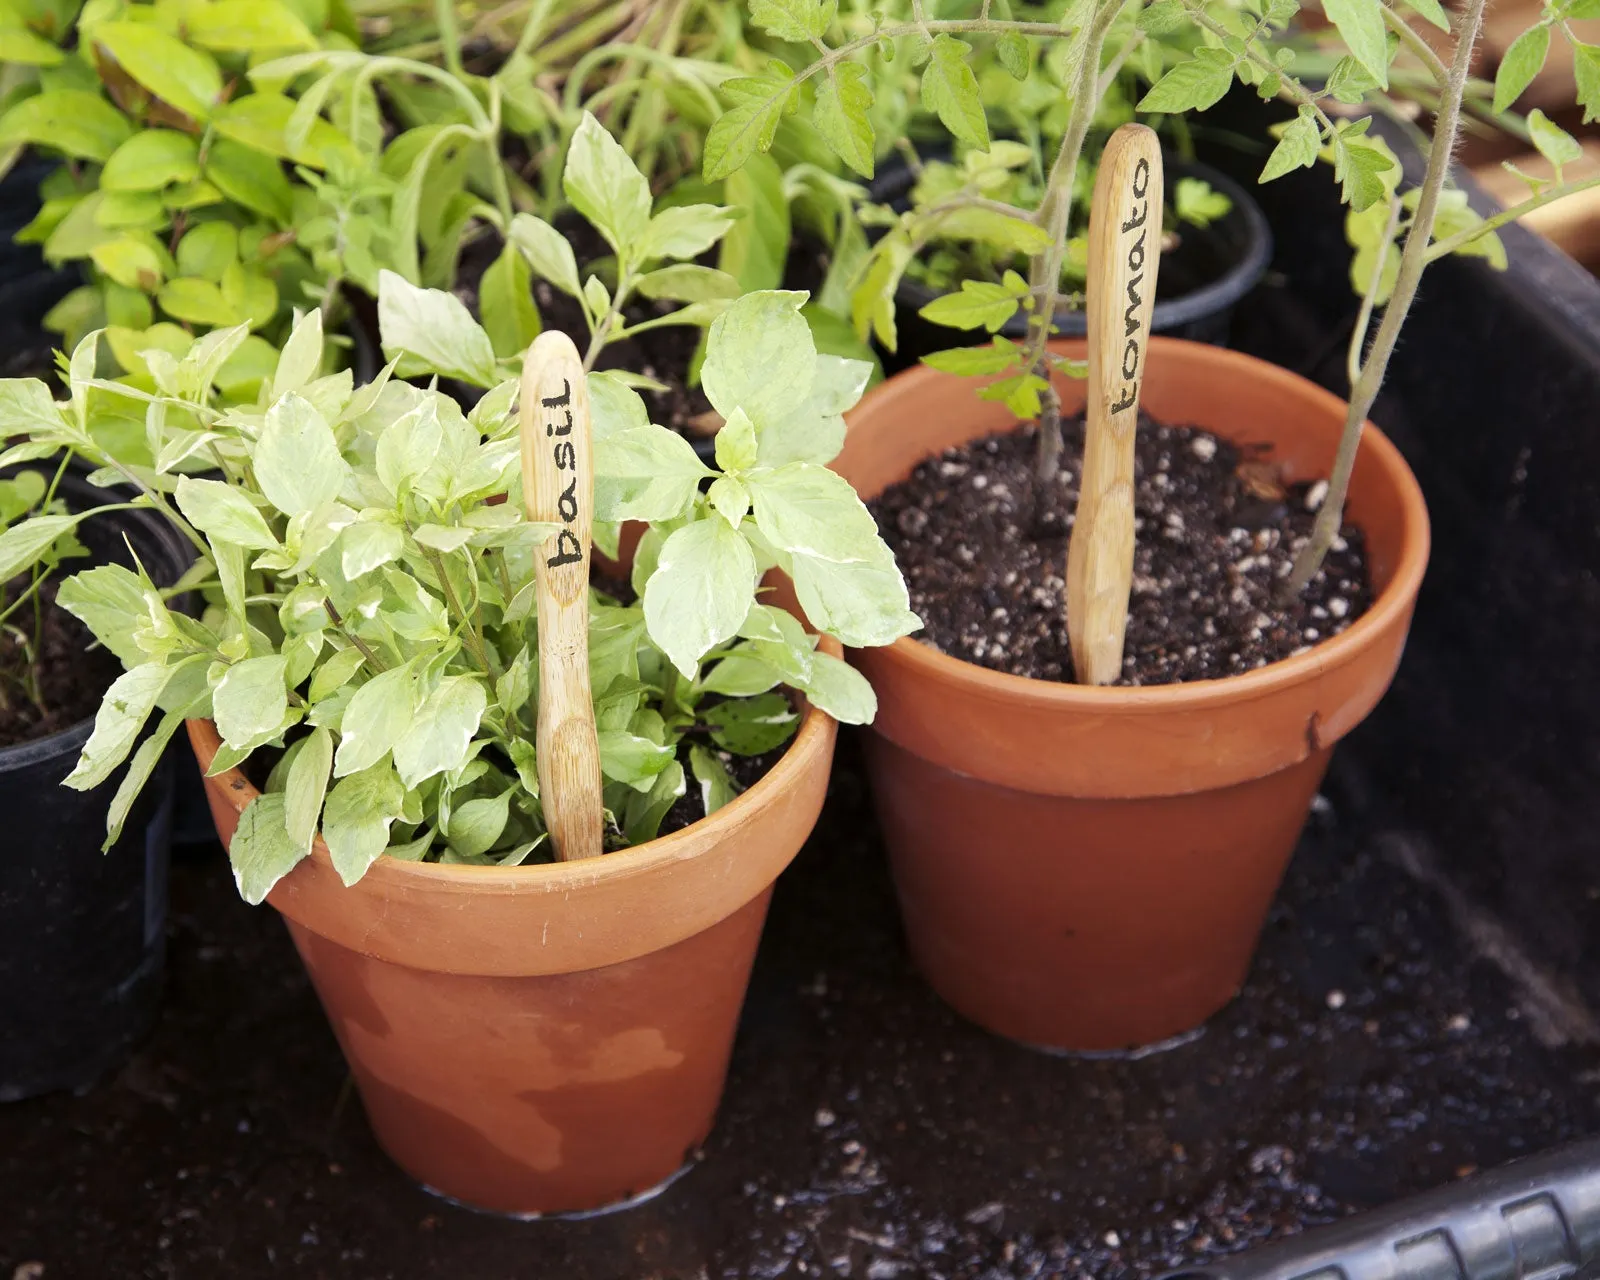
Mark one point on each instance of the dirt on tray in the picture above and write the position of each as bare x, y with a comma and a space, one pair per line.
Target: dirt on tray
984, 555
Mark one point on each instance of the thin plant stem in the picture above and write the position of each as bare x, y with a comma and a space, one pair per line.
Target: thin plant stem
1413, 259
1417, 46
1358, 337
1055, 211
1548, 196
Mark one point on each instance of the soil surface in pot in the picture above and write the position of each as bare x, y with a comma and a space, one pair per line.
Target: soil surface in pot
72, 672
745, 771
984, 556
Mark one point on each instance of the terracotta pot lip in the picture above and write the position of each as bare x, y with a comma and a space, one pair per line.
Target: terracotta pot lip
1386, 612
814, 735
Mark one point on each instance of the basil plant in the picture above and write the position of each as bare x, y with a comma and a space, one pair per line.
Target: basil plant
368, 639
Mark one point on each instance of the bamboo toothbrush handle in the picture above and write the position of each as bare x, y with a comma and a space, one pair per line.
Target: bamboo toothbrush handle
1124, 254
558, 486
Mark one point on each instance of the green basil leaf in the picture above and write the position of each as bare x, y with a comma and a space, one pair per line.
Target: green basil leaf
606, 187
547, 252
430, 331
702, 589
505, 300
262, 851
361, 808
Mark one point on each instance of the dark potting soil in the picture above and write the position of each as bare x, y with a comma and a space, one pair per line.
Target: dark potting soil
72, 672
745, 771
1217, 530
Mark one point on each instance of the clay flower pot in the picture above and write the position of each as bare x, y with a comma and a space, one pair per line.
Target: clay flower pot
554, 1038
1089, 868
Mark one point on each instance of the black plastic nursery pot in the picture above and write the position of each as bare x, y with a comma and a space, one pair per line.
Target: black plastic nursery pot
29, 287
82, 933
1202, 279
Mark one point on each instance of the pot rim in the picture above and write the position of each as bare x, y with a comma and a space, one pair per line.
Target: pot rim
814, 735
1386, 611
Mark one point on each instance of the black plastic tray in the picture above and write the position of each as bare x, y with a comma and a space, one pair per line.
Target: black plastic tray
1421, 1008
1538, 1217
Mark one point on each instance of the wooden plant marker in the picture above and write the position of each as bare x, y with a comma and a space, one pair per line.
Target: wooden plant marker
558, 486
1124, 253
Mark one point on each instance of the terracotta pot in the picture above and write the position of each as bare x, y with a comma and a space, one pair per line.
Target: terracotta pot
546, 1039
1089, 868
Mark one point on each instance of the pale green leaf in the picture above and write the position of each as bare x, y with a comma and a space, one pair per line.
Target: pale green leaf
124, 709
432, 331
685, 231
839, 689
1360, 25
736, 445
627, 757
689, 282
1555, 144
1297, 148
756, 105
262, 851
297, 461
140, 767
645, 473
222, 512
1194, 85
950, 90
1522, 61
247, 26
368, 545
437, 739
477, 825
757, 245
355, 826
716, 787
23, 544
72, 121
606, 187
250, 702
547, 251
505, 301
801, 21
378, 714
702, 589
301, 360
978, 304
306, 787
151, 160
844, 100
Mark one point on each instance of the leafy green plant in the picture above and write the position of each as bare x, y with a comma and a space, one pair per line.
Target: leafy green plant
370, 620
173, 190
952, 244
1221, 42
210, 182
652, 259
